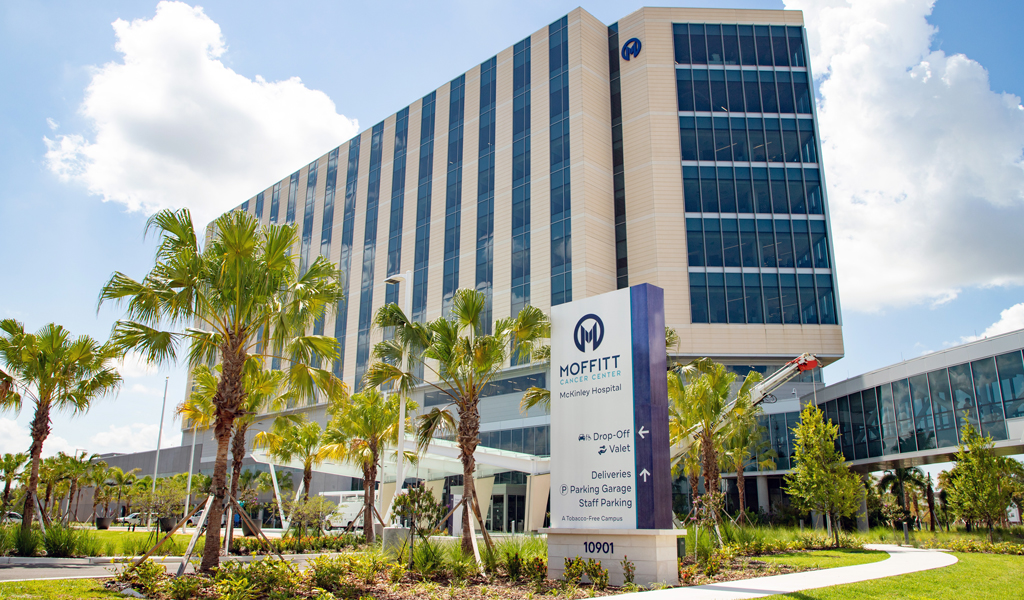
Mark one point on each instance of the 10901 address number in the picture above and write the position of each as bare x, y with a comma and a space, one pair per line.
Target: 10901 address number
599, 547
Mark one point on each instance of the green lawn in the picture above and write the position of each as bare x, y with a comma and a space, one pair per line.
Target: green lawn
68, 589
975, 577
825, 559
138, 542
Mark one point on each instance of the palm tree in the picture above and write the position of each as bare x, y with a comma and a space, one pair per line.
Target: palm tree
295, 438
11, 466
55, 372
897, 480
358, 433
96, 477
462, 361
745, 439
77, 468
241, 296
122, 481
685, 456
707, 405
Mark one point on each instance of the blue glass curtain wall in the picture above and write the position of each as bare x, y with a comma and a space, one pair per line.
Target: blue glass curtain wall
521, 117
275, 203
423, 192
327, 218
258, 209
928, 411
618, 161
453, 192
397, 206
561, 207
306, 240
348, 225
293, 190
369, 254
485, 189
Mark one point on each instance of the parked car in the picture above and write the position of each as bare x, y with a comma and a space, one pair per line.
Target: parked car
349, 512
11, 518
134, 519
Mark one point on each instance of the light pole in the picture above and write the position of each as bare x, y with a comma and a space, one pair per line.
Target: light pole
400, 479
159, 436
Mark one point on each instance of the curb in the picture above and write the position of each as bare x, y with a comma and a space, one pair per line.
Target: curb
110, 560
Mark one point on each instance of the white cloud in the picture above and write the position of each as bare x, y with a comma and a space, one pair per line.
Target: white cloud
923, 160
1010, 319
136, 437
53, 125
15, 438
134, 365
174, 127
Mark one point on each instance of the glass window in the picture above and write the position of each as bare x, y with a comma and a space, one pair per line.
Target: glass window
752, 286
688, 138
802, 245
764, 45
808, 150
785, 89
730, 243
716, 298
790, 141
781, 53
723, 145
779, 435
726, 190
748, 243
698, 51
684, 89
802, 93
808, 300
772, 303
734, 297
769, 102
701, 90
780, 203
712, 243
872, 427
845, 427
1011, 380
698, 298
922, 404
719, 100
748, 55
964, 408
691, 189
762, 195
730, 44
904, 416
751, 91
797, 200
819, 243
708, 189
773, 140
990, 405
734, 83
796, 46
790, 299
890, 437
826, 300
783, 244
766, 238
695, 243
744, 190
942, 409
705, 139
739, 137
714, 39
681, 39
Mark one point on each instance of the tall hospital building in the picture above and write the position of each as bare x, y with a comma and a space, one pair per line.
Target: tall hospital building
677, 147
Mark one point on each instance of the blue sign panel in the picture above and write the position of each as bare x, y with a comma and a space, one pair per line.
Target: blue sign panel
631, 48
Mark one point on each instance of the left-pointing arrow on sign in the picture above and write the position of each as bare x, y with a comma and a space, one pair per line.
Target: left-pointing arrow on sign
642, 432
645, 474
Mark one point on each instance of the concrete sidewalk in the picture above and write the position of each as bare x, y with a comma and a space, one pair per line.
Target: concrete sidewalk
901, 561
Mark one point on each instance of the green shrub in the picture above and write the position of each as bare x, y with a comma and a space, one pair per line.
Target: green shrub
328, 572
628, 570
262, 578
396, 572
575, 568
598, 575
134, 545
88, 544
185, 587
537, 569
60, 541
6, 540
514, 566
26, 543
369, 564
428, 557
110, 548
147, 578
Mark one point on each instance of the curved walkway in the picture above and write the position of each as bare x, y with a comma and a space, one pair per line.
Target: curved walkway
900, 562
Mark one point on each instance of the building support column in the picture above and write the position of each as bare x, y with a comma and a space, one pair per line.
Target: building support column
862, 515
762, 493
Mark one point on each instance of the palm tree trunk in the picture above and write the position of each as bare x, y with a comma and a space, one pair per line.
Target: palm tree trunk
369, 487
307, 477
468, 438
229, 396
7, 495
709, 457
40, 429
741, 488
237, 455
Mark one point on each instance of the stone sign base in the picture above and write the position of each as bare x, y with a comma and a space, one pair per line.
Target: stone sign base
652, 552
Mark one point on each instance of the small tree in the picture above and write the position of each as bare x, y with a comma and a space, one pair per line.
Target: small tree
979, 489
821, 481
11, 466
745, 440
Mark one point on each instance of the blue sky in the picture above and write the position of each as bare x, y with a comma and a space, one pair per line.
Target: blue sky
922, 151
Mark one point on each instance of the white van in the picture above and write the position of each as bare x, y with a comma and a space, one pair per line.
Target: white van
348, 512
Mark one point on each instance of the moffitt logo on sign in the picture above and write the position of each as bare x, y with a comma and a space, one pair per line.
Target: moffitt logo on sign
581, 335
630, 49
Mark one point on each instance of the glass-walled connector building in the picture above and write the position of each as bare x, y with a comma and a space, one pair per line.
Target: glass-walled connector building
677, 147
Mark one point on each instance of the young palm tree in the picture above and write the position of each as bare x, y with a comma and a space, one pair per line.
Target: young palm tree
96, 478
217, 301
11, 466
295, 438
707, 406
685, 456
77, 467
461, 361
358, 433
745, 439
122, 481
55, 372
897, 480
